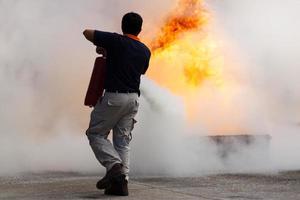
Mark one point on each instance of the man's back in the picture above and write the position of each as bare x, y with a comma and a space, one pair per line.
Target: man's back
127, 60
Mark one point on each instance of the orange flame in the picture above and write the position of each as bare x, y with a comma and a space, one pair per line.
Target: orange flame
189, 15
184, 55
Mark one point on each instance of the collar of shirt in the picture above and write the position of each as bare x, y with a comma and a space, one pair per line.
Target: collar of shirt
132, 37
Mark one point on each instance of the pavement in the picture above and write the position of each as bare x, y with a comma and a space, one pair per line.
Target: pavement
64, 185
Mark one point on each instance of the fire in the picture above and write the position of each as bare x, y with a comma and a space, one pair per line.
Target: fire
184, 54
188, 59
189, 15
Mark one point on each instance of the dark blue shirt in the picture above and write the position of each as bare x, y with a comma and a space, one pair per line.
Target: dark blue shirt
127, 59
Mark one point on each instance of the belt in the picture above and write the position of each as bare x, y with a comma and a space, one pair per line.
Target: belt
121, 91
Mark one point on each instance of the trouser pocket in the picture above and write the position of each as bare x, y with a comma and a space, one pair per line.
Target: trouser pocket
132, 127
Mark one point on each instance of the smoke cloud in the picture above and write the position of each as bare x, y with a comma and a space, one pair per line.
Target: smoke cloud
266, 38
45, 65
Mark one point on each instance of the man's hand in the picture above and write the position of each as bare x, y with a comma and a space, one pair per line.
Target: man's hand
101, 51
89, 34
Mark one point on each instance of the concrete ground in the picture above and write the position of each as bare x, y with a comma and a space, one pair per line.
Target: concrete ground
282, 186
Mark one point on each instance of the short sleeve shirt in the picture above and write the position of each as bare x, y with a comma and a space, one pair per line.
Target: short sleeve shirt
127, 59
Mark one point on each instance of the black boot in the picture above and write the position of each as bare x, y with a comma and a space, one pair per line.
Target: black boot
118, 187
114, 172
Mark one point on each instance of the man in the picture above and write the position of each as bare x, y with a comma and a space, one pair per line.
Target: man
127, 59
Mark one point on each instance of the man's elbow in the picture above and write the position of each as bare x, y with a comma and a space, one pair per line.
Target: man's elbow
89, 34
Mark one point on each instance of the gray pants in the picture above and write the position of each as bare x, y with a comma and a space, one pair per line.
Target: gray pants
116, 112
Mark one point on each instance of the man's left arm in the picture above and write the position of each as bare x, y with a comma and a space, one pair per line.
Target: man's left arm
89, 34
100, 38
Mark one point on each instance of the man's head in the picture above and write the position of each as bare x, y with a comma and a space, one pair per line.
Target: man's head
132, 23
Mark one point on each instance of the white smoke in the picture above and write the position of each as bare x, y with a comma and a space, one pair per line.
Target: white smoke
266, 36
45, 64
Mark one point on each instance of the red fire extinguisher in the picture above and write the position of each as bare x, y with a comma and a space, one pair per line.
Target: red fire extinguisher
96, 85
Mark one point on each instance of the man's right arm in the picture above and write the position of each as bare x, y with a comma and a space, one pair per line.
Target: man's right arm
147, 62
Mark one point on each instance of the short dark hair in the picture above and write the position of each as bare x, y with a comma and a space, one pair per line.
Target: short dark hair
132, 23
